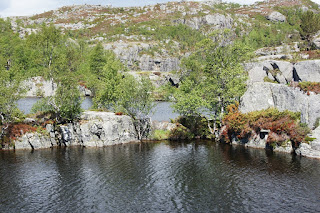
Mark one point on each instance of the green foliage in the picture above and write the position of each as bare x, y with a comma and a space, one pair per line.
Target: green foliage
180, 133
263, 35
10, 92
105, 83
189, 100
65, 104
165, 92
67, 100
196, 125
310, 24
215, 77
309, 139
134, 97
160, 134
267, 79
97, 59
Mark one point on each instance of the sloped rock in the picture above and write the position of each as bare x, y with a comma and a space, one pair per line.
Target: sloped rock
39, 87
164, 125
308, 70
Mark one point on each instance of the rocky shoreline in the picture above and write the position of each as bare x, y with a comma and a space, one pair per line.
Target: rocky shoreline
95, 129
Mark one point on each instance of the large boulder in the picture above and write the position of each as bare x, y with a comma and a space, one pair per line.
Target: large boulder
276, 17
308, 70
265, 95
106, 128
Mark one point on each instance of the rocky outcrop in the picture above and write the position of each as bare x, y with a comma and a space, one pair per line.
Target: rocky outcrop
265, 95
311, 149
134, 55
96, 129
276, 17
284, 72
277, 71
214, 21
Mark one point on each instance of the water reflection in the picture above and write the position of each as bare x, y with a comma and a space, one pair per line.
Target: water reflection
154, 177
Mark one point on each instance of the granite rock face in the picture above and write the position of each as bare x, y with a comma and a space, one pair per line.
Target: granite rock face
308, 70
33, 141
265, 95
256, 141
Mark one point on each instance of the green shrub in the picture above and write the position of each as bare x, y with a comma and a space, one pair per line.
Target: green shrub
180, 133
160, 134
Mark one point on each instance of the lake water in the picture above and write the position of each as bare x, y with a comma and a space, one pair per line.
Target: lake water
162, 110
158, 177
25, 104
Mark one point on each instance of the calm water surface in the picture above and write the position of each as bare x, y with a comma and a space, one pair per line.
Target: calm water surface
25, 104
158, 177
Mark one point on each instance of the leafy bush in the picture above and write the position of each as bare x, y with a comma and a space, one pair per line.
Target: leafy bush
197, 125
180, 133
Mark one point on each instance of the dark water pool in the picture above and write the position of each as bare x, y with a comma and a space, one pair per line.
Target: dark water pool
158, 177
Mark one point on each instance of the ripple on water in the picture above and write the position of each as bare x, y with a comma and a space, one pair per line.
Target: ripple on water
158, 177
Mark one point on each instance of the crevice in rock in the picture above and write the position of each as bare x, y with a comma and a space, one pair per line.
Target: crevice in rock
295, 75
